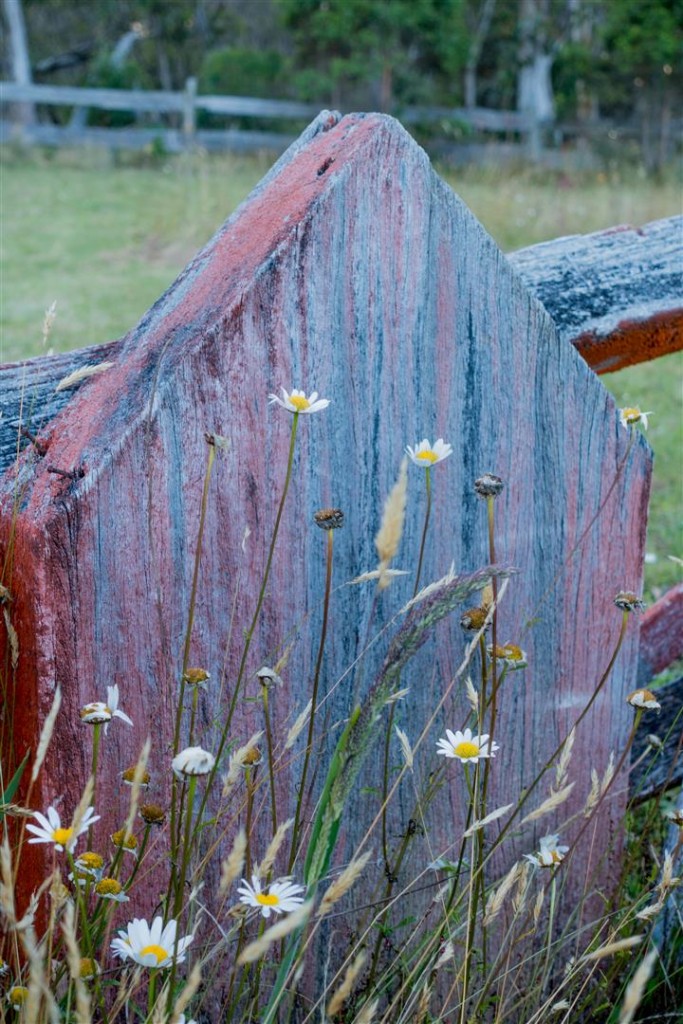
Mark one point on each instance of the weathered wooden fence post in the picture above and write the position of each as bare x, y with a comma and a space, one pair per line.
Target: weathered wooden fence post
352, 269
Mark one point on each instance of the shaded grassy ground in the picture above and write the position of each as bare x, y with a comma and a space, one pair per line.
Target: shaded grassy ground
104, 240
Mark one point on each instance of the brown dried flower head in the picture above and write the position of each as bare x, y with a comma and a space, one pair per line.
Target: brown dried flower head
643, 699
628, 601
196, 676
152, 814
252, 758
473, 619
488, 486
128, 842
128, 776
329, 518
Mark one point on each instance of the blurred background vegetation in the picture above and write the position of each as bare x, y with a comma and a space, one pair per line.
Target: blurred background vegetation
104, 233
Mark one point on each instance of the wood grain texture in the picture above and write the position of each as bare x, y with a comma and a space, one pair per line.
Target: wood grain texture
352, 269
617, 295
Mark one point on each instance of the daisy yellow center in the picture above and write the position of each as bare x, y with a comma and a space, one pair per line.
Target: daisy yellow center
90, 860
62, 835
512, 652
631, 415
157, 951
299, 402
428, 456
466, 749
267, 899
108, 887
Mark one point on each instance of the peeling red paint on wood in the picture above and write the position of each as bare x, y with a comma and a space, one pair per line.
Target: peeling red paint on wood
617, 295
354, 270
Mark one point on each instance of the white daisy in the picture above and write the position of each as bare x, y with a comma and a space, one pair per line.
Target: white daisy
549, 853
510, 654
49, 829
296, 401
281, 897
192, 761
151, 946
466, 747
98, 711
630, 416
111, 889
426, 455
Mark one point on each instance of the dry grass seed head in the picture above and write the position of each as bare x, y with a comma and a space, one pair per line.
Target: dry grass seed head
191, 986
301, 721
391, 528
564, 759
496, 901
472, 695
273, 849
636, 987
138, 778
549, 804
476, 825
405, 747
83, 373
610, 948
231, 868
367, 1012
538, 905
343, 883
73, 955
46, 734
237, 763
255, 950
344, 991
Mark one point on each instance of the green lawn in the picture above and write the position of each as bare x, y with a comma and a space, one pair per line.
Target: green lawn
105, 240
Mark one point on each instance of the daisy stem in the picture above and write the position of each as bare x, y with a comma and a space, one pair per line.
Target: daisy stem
428, 485
271, 763
551, 923
473, 890
151, 993
250, 632
251, 782
175, 830
389, 872
180, 890
93, 771
87, 937
314, 697
138, 859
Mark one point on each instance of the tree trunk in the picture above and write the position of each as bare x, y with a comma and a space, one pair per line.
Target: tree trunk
478, 32
534, 84
25, 113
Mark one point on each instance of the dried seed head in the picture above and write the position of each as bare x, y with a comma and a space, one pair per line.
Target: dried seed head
89, 968
252, 758
128, 776
329, 518
196, 676
488, 486
128, 842
268, 677
628, 601
473, 619
152, 814
643, 699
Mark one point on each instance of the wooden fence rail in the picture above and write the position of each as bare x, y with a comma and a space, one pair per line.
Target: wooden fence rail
190, 102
